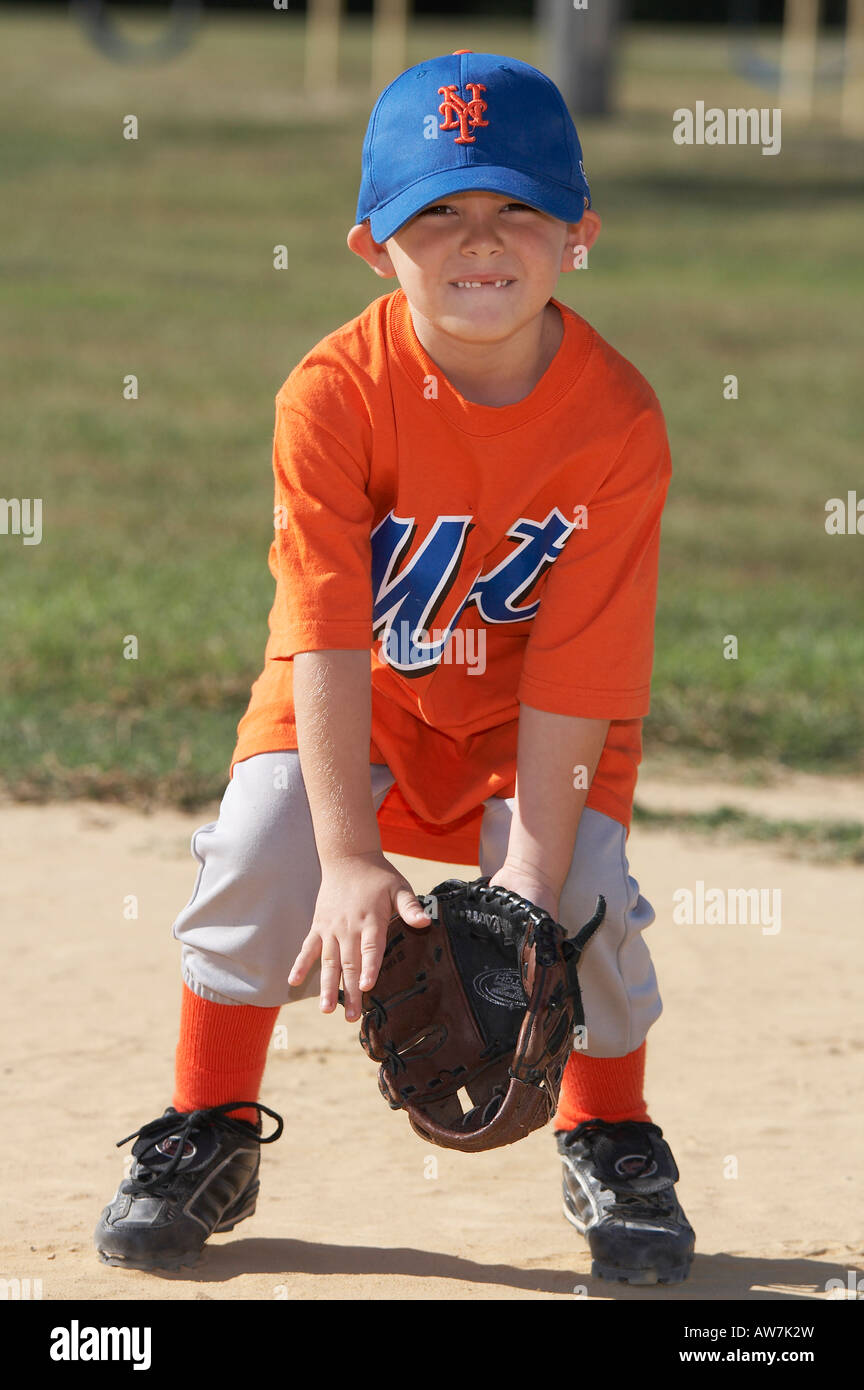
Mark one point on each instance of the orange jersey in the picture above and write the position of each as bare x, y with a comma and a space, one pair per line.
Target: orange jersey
485, 555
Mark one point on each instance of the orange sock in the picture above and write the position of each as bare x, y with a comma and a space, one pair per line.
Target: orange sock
221, 1054
602, 1088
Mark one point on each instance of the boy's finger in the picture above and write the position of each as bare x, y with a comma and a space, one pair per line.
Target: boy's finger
331, 969
350, 978
371, 954
412, 911
306, 958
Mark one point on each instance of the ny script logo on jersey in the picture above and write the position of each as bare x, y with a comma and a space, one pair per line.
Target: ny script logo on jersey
409, 599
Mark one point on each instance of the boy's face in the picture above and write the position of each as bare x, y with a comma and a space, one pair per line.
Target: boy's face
477, 236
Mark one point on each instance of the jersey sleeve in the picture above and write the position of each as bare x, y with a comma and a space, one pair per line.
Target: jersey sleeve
590, 650
321, 555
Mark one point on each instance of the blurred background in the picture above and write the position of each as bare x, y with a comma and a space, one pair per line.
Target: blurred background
154, 257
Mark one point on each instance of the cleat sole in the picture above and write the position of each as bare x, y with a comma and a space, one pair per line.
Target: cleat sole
613, 1274
142, 1262
187, 1258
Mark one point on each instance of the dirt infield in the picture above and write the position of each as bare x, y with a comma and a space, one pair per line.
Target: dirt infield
752, 1073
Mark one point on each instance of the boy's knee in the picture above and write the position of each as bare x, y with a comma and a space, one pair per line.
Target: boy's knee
258, 881
619, 985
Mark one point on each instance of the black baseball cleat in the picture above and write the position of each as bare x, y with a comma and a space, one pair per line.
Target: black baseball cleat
194, 1173
619, 1192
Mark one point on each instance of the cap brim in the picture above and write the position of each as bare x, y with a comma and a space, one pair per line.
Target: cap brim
567, 204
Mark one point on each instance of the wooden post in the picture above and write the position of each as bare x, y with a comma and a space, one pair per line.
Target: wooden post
579, 50
853, 79
389, 41
798, 57
323, 18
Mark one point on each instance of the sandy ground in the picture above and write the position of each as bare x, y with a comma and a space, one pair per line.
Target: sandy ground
754, 1073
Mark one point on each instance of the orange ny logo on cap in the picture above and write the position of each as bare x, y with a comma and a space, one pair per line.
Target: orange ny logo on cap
457, 112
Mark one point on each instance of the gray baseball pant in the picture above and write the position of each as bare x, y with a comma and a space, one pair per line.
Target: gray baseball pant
259, 875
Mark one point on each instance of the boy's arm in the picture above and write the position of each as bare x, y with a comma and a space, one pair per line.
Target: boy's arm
606, 632
552, 752
360, 889
333, 710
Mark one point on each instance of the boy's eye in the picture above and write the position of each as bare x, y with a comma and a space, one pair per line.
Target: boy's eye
446, 207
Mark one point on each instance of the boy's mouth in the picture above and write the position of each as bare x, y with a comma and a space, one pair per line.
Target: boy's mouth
485, 284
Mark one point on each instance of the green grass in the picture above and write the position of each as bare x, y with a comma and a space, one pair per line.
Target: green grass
820, 842
155, 258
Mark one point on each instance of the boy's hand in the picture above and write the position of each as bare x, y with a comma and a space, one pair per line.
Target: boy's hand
529, 886
358, 896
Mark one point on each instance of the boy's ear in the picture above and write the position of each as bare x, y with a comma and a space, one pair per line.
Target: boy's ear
583, 233
374, 253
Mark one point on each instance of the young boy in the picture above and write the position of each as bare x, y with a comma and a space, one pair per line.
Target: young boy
469, 488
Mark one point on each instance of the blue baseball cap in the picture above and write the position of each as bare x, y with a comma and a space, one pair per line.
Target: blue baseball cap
469, 121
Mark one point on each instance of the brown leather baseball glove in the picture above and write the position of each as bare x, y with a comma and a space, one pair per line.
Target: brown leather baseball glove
482, 1002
